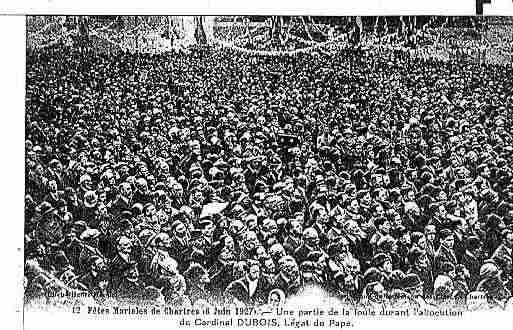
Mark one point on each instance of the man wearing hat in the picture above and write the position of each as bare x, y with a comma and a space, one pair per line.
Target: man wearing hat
421, 266
383, 263
503, 256
89, 249
97, 278
445, 252
49, 229
252, 289
472, 260
288, 278
412, 284
179, 247
123, 201
310, 244
120, 266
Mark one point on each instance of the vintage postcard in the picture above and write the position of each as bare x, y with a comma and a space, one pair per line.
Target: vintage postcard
268, 171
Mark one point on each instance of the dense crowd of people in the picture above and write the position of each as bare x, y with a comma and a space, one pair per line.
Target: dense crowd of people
211, 177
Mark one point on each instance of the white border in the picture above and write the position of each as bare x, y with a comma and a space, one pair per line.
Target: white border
240, 7
12, 132
12, 84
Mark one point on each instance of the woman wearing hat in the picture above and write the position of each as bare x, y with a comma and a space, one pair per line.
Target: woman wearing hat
492, 285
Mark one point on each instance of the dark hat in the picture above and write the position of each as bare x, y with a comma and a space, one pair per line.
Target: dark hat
125, 224
45, 208
444, 233
386, 243
411, 281
80, 225
195, 234
175, 224
204, 222
307, 267
414, 254
61, 203
447, 267
473, 242
372, 275
125, 215
379, 259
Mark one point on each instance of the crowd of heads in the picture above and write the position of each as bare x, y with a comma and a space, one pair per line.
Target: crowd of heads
212, 177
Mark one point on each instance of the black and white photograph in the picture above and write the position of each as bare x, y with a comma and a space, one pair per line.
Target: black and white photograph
244, 162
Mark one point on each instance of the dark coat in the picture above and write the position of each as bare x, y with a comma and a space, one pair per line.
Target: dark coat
239, 289
180, 252
504, 259
118, 206
473, 265
290, 244
289, 288
442, 256
118, 267
302, 252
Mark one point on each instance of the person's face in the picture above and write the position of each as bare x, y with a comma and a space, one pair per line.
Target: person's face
129, 232
379, 211
269, 266
291, 270
254, 272
260, 252
442, 212
385, 182
323, 216
208, 231
229, 243
178, 190
165, 242
312, 239
410, 196
397, 220
406, 239
448, 242
378, 293
387, 266
125, 246
486, 172
52, 186
422, 261
150, 210
133, 274
102, 197
63, 209
349, 283
181, 231
126, 190
204, 279
270, 228
99, 266
366, 198
394, 247
274, 300
442, 196
251, 241
296, 228
354, 206
422, 243
509, 240
353, 269
256, 164
339, 222
385, 227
